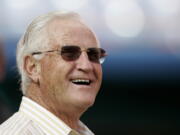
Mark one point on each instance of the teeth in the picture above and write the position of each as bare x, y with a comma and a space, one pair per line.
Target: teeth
81, 80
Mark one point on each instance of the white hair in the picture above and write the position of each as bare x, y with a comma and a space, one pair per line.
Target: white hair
36, 39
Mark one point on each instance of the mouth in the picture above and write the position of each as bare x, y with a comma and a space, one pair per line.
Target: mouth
85, 82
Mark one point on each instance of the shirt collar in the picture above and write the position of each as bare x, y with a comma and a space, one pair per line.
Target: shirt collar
48, 121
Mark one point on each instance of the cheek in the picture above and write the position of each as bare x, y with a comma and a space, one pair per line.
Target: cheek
55, 74
48, 73
98, 72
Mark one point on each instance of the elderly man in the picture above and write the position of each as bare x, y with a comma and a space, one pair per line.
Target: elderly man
59, 59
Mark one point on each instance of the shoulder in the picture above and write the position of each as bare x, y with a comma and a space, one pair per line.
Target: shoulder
19, 124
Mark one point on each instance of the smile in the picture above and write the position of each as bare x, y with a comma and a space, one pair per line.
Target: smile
81, 81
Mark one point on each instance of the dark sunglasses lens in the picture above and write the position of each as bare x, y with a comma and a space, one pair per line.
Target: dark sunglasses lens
94, 54
103, 56
70, 53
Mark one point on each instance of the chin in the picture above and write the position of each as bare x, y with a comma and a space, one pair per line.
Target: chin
86, 101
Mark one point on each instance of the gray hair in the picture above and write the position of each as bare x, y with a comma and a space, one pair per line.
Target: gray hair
36, 39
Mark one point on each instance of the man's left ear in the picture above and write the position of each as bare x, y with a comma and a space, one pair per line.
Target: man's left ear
32, 68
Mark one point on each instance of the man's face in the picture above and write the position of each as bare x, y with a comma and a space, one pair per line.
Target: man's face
57, 74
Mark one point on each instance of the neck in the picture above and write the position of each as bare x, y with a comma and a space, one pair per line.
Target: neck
70, 115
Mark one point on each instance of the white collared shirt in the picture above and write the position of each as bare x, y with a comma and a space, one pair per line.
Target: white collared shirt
33, 119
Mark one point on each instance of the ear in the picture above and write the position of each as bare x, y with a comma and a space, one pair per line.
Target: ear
32, 68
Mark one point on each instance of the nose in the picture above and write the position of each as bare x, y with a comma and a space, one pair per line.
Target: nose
83, 63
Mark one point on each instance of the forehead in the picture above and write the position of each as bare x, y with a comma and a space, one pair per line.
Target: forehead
71, 32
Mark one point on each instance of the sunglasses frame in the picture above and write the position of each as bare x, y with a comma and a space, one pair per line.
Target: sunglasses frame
100, 60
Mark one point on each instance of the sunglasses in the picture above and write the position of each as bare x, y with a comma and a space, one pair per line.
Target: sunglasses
72, 53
